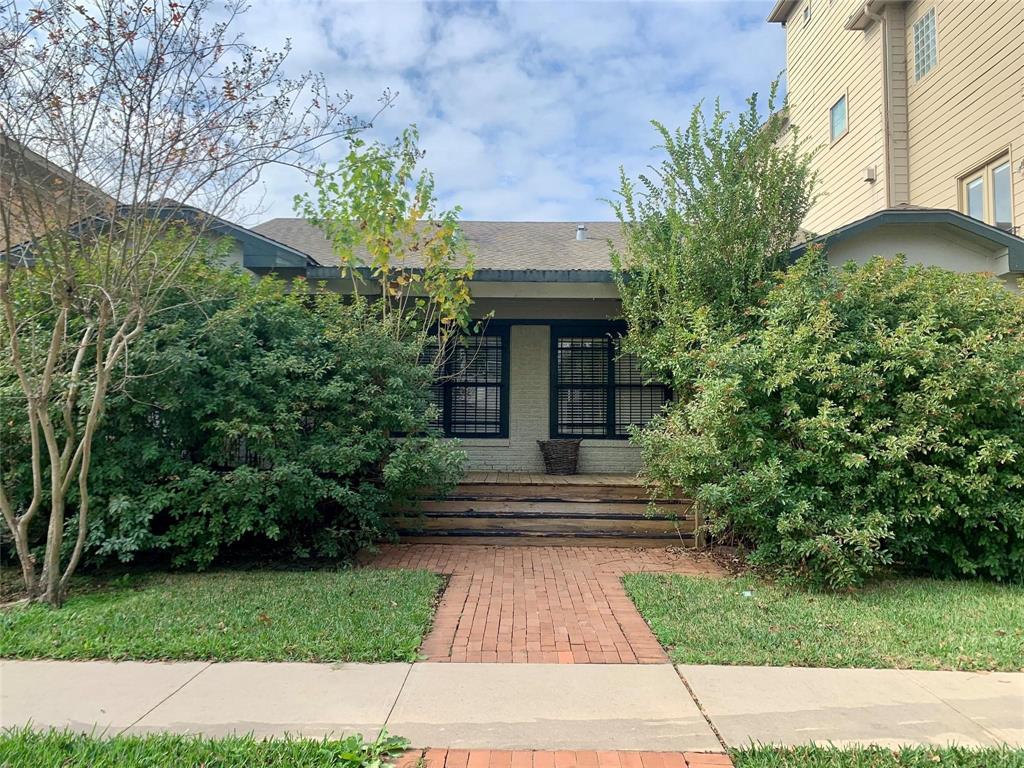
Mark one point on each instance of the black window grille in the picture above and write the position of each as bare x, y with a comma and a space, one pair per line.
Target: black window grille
470, 396
599, 391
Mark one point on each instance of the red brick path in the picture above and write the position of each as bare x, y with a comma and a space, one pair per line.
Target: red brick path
482, 758
539, 604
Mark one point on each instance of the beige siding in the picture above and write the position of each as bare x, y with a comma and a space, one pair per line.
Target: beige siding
824, 61
933, 246
970, 107
529, 397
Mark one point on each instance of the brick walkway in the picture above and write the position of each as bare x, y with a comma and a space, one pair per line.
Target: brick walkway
539, 604
483, 758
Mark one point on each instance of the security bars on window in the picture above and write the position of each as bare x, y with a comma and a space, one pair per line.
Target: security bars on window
470, 396
598, 390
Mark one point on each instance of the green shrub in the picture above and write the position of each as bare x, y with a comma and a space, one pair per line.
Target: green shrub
869, 417
258, 420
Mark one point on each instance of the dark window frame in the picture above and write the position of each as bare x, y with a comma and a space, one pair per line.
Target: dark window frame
609, 330
448, 385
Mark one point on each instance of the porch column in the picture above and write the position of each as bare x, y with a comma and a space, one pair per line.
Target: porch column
529, 392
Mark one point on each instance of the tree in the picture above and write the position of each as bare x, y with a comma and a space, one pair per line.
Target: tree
382, 218
127, 128
707, 228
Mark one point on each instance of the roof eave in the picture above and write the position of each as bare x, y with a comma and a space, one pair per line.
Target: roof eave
495, 275
780, 13
864, 17
1013, 245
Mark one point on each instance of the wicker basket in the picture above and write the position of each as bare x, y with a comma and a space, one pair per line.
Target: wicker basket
561, 457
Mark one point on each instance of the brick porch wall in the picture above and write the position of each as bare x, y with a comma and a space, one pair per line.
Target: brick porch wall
529, 403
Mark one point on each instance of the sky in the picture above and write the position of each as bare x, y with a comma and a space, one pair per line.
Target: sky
526, 109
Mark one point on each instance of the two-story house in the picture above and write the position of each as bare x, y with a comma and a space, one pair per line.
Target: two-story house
915, 113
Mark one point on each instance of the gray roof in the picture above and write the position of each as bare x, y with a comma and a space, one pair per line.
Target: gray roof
498, 245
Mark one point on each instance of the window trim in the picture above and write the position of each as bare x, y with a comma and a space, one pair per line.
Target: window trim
913, 42
502, 332
984, 171
585, 328
846, 123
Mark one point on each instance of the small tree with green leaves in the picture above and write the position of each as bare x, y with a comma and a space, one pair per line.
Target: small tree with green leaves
381, 215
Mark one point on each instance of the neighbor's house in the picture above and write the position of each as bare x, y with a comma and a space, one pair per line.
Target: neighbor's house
916, 112
37, 194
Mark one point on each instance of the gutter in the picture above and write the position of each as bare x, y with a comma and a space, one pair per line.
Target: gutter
495, 275
887, 128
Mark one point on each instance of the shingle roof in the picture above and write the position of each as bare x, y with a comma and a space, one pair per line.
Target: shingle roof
498, 245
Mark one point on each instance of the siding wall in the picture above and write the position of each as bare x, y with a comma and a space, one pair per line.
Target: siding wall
897, 62
970, 107
824, 61
934, 246
529, 397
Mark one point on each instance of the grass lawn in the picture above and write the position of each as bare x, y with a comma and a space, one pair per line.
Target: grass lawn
903, 623
877, 757
22, 747
359, 615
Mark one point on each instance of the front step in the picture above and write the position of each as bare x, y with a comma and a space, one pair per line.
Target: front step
553, 540
539, 511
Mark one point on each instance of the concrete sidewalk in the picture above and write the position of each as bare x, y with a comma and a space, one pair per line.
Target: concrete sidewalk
522, 706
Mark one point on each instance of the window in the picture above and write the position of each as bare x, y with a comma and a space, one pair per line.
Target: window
1002, 194
471, 394
976, 198
925, 49
987, 193
597, 390
837, 119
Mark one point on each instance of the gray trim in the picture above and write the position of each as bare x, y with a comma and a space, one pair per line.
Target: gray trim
496, 275
894, 216
268, 253
544, 275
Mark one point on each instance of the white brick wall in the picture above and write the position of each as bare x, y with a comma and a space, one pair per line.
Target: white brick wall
529, 390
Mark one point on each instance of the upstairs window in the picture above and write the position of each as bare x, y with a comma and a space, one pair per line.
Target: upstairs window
925, 48
1002, 196
837, 119
471, 393
598, 391
987, 194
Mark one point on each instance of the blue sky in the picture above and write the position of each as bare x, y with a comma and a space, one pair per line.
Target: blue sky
526, 109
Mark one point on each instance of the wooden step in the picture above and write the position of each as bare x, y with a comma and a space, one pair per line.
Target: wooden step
576, 492
545, 508
549, 540
563, 525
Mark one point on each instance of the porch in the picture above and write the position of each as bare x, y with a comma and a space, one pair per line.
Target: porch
530, 508
523, 380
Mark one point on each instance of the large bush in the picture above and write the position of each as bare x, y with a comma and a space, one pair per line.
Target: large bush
259, 420
869, 417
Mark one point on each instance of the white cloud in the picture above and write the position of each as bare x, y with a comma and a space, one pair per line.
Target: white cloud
526, 109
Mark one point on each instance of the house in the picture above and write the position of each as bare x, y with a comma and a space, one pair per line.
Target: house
915, 111
548, 362
37, 194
